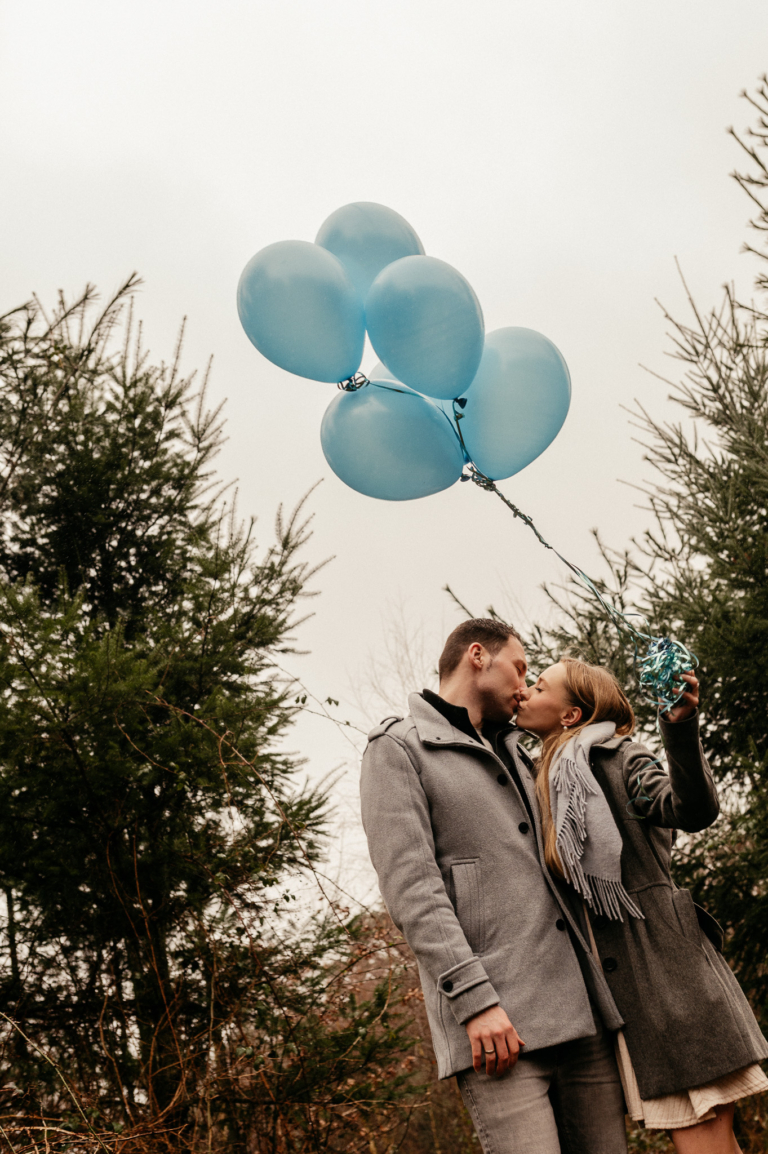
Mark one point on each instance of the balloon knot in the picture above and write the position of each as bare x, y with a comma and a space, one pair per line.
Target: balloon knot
353, 383
473, 474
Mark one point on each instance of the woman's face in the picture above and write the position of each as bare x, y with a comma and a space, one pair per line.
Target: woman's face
545, 707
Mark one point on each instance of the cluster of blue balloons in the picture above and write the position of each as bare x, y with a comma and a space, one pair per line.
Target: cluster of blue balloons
307, 307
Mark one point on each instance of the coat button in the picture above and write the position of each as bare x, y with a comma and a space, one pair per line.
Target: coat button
560, 924
523, 827
609, 965
600, 922
447, 985
502, 779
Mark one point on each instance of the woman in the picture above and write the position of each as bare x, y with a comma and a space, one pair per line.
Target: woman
690, 1045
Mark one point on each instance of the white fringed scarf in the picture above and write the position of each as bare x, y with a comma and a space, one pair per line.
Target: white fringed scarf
588, 842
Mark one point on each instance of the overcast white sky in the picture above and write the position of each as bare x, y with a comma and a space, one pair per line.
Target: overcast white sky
559, 153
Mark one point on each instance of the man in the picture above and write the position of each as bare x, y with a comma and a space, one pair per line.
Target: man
449, 810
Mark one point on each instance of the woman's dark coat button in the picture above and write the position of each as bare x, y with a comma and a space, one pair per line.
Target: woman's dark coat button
502, 779
447, 985
600, 922
560, 924
523, 827
609, 965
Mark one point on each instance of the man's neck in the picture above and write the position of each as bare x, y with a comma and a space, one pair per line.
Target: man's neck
462, 696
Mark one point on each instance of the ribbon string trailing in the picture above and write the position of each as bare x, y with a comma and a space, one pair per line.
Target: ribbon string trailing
659, 670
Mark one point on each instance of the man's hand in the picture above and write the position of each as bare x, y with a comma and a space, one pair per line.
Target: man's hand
689, 702
494, 1041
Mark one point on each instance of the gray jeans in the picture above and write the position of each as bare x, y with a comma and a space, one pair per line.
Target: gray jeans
566, 1098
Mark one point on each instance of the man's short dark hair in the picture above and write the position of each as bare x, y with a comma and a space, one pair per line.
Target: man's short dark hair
492, 634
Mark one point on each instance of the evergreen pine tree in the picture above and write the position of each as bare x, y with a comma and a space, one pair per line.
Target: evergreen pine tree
150, 822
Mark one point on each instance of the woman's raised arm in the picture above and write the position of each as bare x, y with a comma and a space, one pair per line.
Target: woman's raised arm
680, 797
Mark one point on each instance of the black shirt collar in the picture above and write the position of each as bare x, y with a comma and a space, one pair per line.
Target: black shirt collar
458, 717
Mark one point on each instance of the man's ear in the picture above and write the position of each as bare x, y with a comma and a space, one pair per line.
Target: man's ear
475, 653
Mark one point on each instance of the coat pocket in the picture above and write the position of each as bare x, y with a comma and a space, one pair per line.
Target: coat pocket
470, 911
710, 926
686, 915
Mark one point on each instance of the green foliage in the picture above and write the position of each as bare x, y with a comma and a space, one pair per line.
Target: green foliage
105, 460
151, 827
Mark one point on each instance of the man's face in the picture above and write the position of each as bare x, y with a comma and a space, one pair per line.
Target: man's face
502, 681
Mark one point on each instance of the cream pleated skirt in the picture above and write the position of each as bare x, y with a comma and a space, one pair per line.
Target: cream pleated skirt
688, 1108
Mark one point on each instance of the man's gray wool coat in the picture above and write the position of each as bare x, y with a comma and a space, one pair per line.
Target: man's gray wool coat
460, 872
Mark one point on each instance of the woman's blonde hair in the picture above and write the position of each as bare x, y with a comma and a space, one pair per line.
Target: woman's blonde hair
597, 693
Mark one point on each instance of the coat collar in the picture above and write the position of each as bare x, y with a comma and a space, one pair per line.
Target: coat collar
435, 729
611, 742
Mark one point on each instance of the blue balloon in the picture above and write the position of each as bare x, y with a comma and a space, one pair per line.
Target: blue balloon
391, 444
517, 403
380, 372
301, 310
366, 237
426, 325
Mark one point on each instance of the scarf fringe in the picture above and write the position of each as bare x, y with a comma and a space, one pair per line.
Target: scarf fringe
605, 896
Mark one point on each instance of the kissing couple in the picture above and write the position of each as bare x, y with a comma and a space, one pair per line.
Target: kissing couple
567, 980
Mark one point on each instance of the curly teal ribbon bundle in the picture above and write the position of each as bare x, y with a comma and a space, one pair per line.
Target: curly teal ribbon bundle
659, 671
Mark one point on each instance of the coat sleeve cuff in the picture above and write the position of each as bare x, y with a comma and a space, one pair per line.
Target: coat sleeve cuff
468, 990
681, 738
685, 728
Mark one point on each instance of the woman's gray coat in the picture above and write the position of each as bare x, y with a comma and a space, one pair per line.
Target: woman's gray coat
687, 1021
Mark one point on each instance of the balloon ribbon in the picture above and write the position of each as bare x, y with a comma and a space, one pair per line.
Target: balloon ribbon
659, 670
